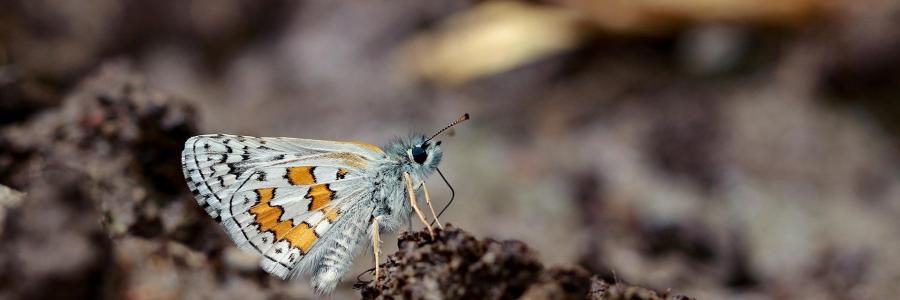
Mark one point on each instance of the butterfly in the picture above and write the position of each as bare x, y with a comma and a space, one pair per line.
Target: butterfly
307, 206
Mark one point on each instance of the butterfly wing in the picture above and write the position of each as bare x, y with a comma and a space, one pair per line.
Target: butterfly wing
278, 196
213, 163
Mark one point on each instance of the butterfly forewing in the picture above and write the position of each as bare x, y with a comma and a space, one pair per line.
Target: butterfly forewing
276, 196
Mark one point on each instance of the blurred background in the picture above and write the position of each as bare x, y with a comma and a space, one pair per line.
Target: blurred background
727, 149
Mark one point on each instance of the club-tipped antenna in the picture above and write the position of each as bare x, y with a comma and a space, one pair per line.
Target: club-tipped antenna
461, 119
452, 195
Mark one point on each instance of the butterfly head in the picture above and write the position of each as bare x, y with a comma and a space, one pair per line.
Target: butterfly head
419, 155
422, 154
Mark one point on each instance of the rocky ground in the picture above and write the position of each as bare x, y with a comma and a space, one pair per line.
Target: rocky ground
456, 265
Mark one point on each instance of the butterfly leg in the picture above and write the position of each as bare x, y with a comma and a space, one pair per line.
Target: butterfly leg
412, 199
428, 200
430, 206
376, 245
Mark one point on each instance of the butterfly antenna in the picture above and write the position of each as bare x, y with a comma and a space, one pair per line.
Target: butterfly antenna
452, 194
461, 119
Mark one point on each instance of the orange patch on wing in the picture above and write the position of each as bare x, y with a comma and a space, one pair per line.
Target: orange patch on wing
330, 213
341, 173
300, 175
268, 216
348, 158
368, 146
321, 195
302, 237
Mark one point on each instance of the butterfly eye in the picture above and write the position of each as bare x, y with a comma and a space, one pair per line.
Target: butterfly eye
419, 155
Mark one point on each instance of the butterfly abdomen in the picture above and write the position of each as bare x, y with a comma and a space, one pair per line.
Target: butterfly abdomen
342, 246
